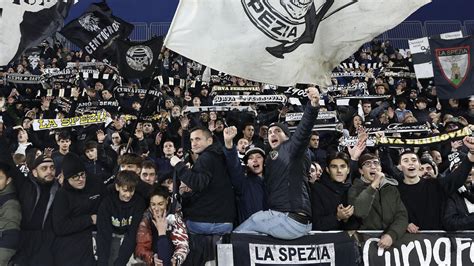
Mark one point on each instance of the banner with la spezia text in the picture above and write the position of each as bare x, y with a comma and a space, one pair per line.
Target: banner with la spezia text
326, 249
338, 248
89, 119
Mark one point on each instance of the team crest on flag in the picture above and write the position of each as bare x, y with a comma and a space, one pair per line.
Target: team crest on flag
139, 57
280, 42
290, 22
454, 64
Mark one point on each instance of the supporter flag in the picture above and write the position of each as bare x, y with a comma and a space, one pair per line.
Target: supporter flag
452, 65
421, 54
25, 24
96, 31
138, 59
280, 42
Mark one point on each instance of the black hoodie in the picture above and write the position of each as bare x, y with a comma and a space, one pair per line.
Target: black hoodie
119, 218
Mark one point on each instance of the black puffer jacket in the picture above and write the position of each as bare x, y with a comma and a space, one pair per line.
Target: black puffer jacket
212, 199
287, 168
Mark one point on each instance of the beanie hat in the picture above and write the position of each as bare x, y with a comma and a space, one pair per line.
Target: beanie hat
251, 149
282, 126
72, 165
425, 160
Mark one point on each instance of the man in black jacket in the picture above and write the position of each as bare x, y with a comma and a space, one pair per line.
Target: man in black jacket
210, 208
36, 194
74, 216
286, 179
459, 213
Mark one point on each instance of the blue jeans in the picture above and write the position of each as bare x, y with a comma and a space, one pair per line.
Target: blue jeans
209, 228
274, 223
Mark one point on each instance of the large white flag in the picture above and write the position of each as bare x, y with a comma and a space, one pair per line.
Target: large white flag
24, 24
281, 42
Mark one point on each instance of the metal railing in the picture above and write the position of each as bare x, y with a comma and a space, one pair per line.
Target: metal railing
398, 36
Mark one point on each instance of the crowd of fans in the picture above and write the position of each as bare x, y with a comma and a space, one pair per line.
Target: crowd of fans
151, 191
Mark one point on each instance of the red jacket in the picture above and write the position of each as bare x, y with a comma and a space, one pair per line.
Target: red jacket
178, 235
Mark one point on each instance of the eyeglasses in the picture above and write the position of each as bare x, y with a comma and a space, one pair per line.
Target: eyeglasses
371, 163
81, 175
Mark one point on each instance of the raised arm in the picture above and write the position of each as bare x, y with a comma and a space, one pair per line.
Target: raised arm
456, 178
300, 139
234, 167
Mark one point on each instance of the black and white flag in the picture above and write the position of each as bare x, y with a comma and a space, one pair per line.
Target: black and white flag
280, 42
421, 53
138, 59
25, 24
96, 31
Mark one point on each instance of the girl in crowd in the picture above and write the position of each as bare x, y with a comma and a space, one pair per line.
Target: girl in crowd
161, 239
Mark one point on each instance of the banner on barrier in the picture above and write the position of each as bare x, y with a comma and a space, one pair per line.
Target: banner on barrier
338, 248
325, 249
420, 249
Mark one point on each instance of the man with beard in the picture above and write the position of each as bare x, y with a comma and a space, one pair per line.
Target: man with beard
459, 213
424, 198
36, 194
248, 187
428, 168
286, 179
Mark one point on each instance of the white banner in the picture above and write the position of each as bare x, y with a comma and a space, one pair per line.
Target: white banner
249, 99
194, 109
281, 42
322, 115
48, 124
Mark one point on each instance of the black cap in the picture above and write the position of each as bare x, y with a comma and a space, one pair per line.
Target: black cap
41, 159
251, 149
283, 127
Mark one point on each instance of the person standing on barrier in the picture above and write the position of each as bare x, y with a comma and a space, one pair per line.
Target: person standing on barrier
377, 202
286, 179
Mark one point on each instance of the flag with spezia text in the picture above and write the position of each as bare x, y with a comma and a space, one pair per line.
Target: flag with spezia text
281, 42
96, 31
452, 67
25, 24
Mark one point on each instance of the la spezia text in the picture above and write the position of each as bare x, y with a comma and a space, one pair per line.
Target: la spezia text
291, 254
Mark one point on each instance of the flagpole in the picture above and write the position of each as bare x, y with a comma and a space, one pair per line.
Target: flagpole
143, 106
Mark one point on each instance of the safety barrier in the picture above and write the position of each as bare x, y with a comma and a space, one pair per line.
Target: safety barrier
349, 248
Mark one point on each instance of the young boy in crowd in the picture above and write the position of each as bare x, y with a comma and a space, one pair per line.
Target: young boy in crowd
118, 219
